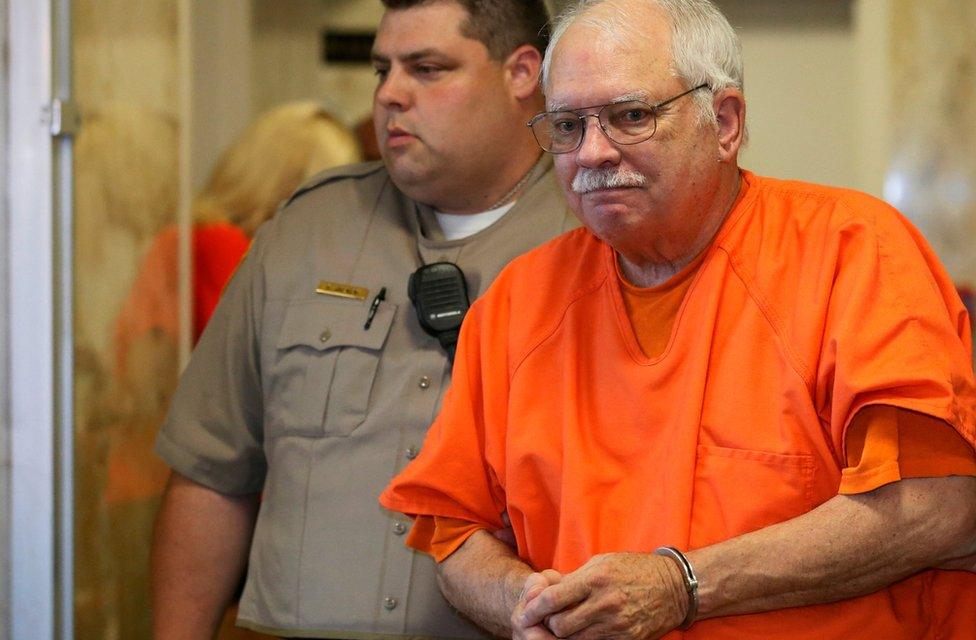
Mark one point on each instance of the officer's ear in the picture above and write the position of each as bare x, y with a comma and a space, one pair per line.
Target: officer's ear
522, 68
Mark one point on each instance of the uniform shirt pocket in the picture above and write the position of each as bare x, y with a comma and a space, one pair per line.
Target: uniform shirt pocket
325, 362
740, 490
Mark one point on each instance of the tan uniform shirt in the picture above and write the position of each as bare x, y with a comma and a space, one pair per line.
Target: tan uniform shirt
288, 393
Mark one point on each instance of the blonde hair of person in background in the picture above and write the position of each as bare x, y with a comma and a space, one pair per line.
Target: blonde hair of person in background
270, 160
260, 169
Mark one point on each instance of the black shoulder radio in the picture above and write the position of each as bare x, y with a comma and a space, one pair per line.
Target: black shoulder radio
440, 297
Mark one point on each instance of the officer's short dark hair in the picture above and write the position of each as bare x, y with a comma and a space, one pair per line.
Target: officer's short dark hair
501, 25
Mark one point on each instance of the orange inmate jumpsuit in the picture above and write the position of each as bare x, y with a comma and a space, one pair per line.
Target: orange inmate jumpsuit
811, 305
883, 444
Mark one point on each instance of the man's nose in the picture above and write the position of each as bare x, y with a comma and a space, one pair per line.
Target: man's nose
393, 91
596, 148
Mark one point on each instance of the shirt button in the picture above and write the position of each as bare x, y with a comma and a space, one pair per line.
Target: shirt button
325, 335
399, 528
424, 382
412, 452
389, 603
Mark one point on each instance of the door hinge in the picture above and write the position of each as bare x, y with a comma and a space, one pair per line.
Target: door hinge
62, 118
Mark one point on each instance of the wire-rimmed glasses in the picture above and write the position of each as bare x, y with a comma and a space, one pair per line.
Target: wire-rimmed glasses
625, 122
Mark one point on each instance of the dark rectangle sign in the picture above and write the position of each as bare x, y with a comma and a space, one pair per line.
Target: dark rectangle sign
347, 46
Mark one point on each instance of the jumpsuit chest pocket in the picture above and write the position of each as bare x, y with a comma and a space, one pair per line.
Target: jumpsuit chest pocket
323, 367
737, 491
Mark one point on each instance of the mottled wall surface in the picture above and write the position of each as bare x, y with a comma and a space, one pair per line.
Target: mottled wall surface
125, 61
932, 175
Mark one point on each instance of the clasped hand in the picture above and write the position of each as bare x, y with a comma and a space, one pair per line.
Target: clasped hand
613, 595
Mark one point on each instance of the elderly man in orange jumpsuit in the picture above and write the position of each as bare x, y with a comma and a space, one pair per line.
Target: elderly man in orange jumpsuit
731, 405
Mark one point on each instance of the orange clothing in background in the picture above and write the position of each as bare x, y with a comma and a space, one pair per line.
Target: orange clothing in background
153, 302
217, 250
811, 305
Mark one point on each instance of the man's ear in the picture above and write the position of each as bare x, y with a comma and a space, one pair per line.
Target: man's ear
730, 119
522, 68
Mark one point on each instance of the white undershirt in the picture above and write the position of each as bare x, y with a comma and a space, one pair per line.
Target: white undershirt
461, 225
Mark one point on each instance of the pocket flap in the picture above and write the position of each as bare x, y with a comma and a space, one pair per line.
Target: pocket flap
325, 323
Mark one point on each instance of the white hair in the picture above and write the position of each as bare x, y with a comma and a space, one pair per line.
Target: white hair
704, 47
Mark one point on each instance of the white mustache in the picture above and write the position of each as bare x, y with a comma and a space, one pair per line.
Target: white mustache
588, 180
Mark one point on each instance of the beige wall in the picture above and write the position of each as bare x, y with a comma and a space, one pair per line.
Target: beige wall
287, 55
931, 174
220, 101
799, 79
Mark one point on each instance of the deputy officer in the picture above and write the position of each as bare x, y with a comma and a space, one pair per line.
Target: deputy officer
314, 382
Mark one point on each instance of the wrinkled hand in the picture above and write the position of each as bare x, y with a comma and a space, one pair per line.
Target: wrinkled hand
614, 595
534, 585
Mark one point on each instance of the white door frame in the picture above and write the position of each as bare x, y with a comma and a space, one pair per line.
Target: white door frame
38, 367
